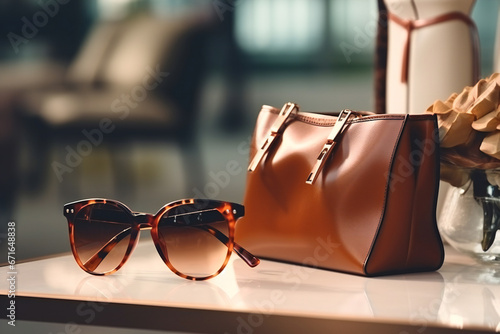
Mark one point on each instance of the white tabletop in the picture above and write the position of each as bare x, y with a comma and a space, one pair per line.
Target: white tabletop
273, 296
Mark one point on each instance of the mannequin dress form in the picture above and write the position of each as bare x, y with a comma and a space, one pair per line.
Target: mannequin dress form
432, 52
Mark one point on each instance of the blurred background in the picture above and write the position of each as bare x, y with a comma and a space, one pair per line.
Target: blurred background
149, 101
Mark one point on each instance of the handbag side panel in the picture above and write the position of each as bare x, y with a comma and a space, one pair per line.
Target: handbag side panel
332, 223
408, 239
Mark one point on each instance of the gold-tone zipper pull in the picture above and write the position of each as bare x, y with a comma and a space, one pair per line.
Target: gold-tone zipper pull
329, 145
276, 130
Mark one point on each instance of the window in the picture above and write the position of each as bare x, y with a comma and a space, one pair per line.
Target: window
307, 31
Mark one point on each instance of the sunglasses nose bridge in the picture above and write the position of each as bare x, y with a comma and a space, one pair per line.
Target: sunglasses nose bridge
144, 220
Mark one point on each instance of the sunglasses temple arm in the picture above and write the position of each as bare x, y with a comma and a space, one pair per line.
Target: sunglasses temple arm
101, 254
245, 255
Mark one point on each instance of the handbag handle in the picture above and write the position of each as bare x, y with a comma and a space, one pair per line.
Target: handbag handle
329, 145
275, 131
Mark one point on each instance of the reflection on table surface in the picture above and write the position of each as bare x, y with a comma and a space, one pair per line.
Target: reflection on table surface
462, 294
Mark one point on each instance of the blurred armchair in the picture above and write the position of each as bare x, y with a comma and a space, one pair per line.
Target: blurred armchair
137, 79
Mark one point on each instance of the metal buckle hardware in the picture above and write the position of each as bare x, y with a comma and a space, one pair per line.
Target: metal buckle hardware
329, 145
276, 130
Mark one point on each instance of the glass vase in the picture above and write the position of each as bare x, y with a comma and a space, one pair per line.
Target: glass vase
470, 217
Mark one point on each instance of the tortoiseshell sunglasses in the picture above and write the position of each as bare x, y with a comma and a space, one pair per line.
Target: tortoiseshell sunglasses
194, 237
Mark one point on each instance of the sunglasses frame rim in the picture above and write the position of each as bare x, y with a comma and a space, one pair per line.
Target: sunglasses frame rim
71, 209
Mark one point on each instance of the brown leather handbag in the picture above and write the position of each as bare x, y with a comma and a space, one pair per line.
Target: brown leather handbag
351, 193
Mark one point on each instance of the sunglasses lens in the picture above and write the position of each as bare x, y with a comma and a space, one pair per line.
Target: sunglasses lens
101, 237
195, 241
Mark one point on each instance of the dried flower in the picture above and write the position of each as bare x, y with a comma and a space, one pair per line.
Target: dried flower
469, 129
